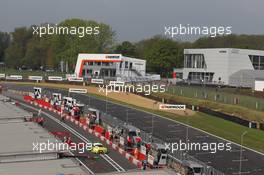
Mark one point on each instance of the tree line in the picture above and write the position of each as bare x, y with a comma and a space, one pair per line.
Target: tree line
22, 48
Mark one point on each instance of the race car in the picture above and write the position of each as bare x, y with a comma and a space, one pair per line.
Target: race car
98, 148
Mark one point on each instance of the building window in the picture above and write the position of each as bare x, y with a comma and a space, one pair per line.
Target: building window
261, 63
201, 76
112, 73
105, 63
120, 64
126, 64
194, 61
90, 63
257, 61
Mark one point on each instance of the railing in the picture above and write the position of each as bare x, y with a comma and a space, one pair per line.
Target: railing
174, 160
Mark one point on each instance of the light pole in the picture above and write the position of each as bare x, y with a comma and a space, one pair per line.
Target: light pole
241, 151
204, 82
105, 103
127, 109
187, 130
152, 121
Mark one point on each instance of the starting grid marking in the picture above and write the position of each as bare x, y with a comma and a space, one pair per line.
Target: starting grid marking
121, 151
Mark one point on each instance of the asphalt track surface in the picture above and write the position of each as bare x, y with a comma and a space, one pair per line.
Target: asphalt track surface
95, 163
171, 131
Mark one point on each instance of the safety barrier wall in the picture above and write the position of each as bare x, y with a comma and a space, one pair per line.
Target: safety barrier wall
174, 161
209, 111
97, 131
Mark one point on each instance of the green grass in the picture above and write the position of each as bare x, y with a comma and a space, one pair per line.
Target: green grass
233, 109
226, 96
254, 139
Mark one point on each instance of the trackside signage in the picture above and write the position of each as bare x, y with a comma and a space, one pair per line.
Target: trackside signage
172, 107
117, 83
2, 75
14, 77
79, 91
151, 159
54, 78
37, 78
75, 79
97, 81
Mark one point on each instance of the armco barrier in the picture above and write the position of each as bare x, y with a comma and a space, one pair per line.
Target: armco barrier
175, 158
205, 110
224, 116
131, 158
138, 163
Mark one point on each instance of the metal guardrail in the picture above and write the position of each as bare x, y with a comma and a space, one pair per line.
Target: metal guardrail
176, 158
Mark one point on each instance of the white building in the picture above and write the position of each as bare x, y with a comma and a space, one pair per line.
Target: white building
218, 65
111, 66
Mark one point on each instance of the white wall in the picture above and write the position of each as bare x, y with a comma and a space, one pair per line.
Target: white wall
216, 62
137, 64
223, 61
259, 85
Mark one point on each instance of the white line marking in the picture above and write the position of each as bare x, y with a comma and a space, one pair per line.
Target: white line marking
181, 124
108, 159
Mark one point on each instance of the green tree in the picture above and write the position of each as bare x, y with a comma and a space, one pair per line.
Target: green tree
231, 41
126, 48
67, 47
4, 43
162, 54
15, 53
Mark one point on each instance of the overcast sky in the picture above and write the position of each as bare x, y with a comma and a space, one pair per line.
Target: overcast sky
134, 20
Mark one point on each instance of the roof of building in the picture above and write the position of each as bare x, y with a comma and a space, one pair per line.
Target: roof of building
8, 110
44, 167
133, 59
18, 154
19, 137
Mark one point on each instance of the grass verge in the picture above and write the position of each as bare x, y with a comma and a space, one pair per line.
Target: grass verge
214, 125
242, 112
